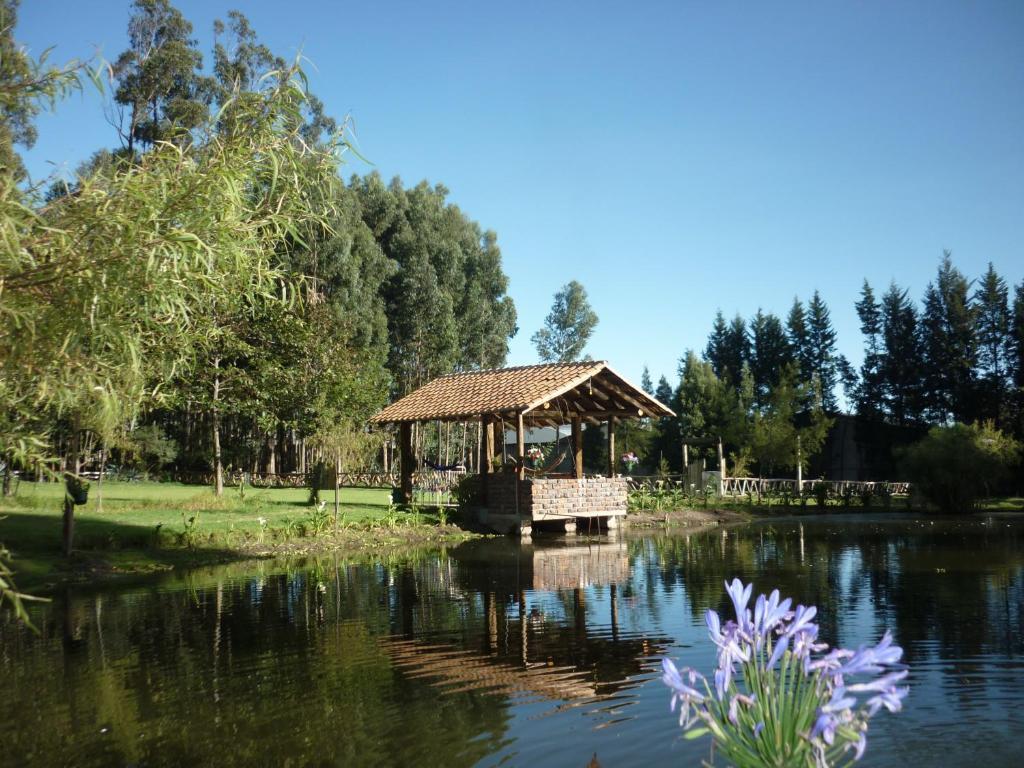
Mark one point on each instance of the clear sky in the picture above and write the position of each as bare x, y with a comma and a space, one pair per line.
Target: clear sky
674, 157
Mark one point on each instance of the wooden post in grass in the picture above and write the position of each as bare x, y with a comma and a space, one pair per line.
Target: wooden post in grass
69, 523
337, 486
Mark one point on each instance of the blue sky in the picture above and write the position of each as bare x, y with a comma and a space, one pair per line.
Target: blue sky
675, 157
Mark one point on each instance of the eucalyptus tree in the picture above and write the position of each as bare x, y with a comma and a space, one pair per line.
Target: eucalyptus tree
446, 298
27, 86
160, 93
567, 327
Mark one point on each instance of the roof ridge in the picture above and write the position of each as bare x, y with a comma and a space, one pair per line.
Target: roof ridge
560, 364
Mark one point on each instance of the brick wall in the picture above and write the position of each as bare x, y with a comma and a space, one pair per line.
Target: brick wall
557, 497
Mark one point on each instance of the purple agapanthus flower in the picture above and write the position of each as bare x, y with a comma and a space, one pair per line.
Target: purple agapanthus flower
758, 655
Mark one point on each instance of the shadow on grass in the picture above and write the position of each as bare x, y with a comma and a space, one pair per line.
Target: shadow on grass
101, 547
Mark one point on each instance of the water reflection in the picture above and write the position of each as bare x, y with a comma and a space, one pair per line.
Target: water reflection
494, 653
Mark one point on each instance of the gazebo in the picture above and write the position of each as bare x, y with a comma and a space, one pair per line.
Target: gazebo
511, 498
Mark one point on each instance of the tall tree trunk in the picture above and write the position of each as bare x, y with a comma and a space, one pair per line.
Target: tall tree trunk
8, 472
218, 468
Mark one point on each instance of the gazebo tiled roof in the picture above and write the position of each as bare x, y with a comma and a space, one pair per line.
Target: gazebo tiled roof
545, 393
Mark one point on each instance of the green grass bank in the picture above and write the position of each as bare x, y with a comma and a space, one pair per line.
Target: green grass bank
137, 527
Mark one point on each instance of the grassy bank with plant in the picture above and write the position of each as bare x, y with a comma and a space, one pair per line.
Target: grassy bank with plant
141, 527
648, 508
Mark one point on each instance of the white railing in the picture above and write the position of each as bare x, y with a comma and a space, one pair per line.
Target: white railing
744, 486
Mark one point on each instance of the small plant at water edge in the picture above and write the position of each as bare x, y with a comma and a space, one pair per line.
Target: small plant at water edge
319, 519
390, 519
778, 698
191, 533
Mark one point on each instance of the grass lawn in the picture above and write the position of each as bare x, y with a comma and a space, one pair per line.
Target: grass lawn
146, 525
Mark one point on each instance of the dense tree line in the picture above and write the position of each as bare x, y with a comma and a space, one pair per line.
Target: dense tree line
762, 381
956, 358
207, 292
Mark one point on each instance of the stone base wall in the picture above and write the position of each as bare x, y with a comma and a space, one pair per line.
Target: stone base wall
557, 498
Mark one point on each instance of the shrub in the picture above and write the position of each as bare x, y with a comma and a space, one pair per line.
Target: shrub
867, 495
153, 447
956, 467
821, 494
317, 479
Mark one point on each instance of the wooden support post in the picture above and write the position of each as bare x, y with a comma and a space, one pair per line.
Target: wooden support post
405, 446
577, 446
497, 442
799, 473
520, 447
721, 468
611, 446
484, 460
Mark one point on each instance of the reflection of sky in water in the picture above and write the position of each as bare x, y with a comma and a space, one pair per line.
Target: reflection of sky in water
426, 660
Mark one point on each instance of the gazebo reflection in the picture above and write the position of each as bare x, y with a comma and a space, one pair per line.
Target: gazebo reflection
538, 637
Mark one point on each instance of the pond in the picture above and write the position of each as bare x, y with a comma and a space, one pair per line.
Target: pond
492, 653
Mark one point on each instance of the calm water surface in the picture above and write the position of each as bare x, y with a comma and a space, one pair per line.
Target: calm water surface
494, 654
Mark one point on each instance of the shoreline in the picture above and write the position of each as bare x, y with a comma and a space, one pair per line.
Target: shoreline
45, 572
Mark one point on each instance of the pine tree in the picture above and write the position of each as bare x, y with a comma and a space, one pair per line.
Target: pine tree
900, 366
799, 339
645, 382
822, 358
992, 313
715, 351
735, 353
868, 392
1017, 338
770, 352
1017, 360
949, 346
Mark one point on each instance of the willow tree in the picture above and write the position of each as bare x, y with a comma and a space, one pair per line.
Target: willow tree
108, 292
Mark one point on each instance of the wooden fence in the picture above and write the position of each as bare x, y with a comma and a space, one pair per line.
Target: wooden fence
757, 486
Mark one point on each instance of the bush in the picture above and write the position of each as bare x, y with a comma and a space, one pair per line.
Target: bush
821, 494
153, 447
467, 494
956, 467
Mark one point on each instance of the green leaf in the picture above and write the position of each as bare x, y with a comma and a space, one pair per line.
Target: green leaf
696, 733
